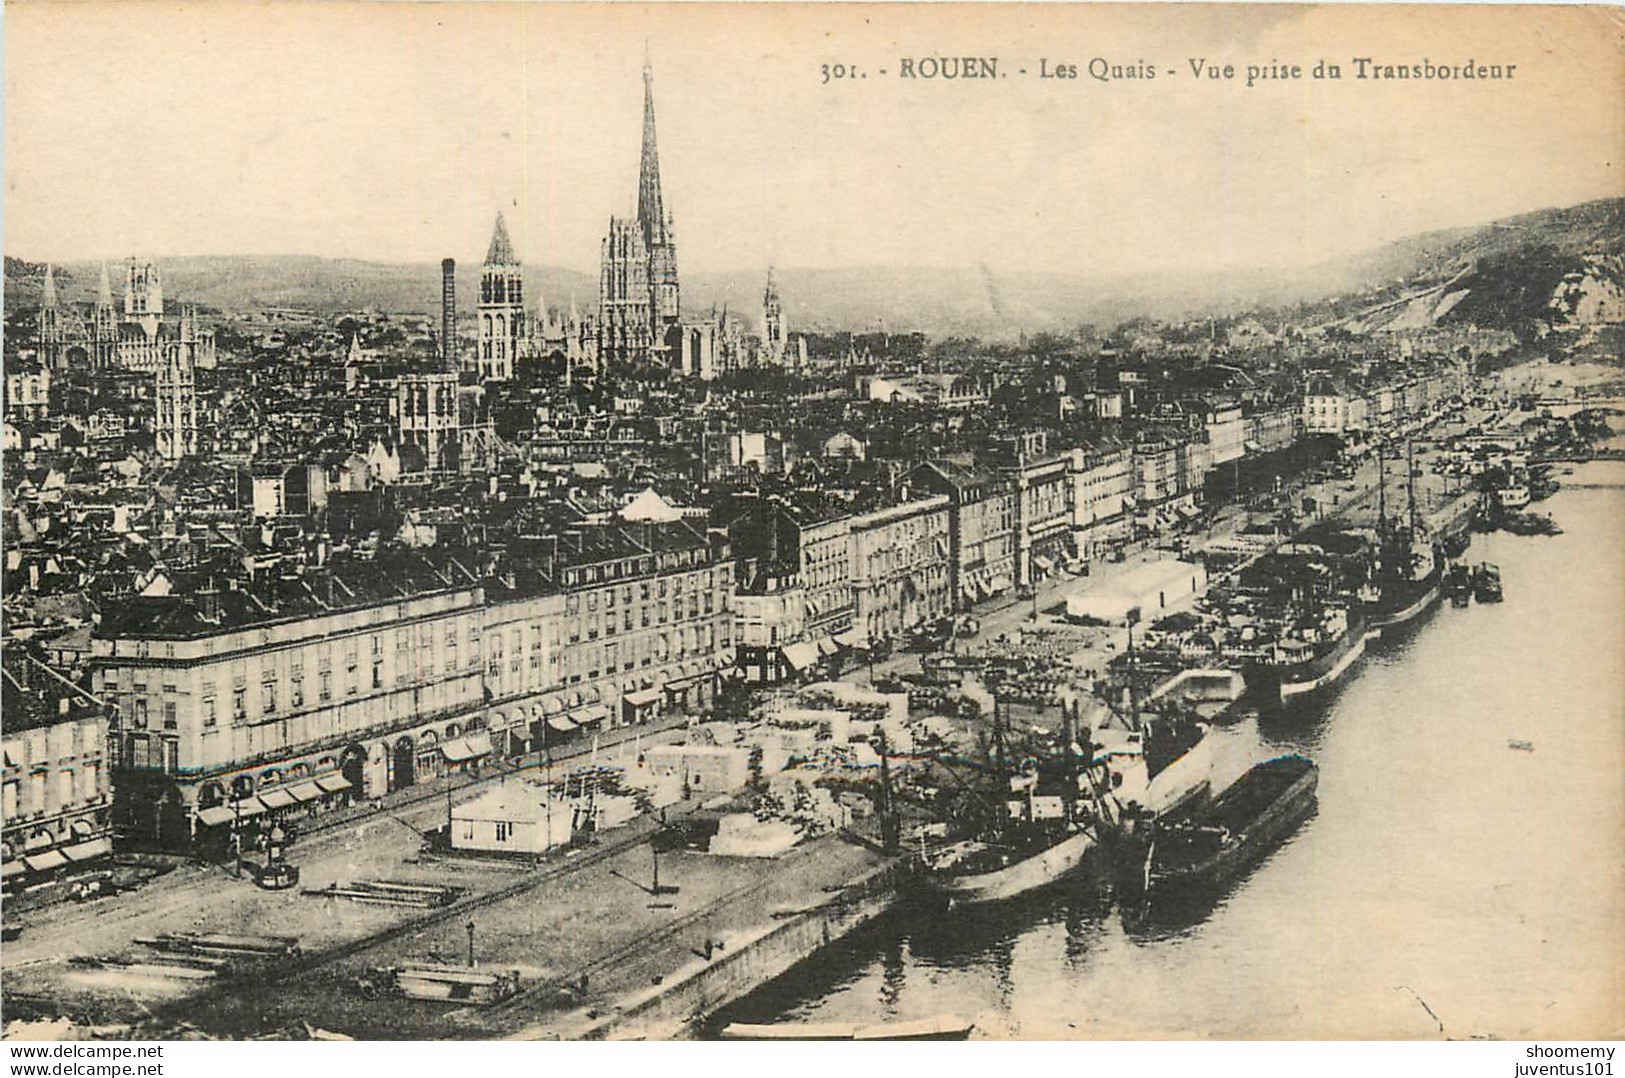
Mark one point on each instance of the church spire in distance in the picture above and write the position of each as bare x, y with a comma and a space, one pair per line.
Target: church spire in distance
500, 253
651, 208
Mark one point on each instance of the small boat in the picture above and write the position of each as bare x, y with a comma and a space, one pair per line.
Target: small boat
942, 1027
1212, 847
1458, 584
1521, 746
1487, 583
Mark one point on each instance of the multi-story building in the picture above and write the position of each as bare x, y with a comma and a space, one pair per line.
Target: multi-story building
1332, 408
28, 391
981, 529
1103, 498
57, 810
240, 699
799, 586
1043, 490
648, 619
900, 568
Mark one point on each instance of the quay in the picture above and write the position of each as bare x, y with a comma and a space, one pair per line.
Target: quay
597, 954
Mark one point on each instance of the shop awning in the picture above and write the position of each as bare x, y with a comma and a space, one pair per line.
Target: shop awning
44, 862
471, 747
332, 784
1043, 562
801, 655
1001, 583
89, 851
306, 791
250, 806
827, 646
561, 724
214, 816
12, 868
277, 799
1187, 511
591, 713
852, 639
643, 697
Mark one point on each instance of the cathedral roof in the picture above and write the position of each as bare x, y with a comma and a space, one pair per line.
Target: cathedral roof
500, 253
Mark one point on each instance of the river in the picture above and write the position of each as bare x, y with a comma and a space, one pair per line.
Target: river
1449, 884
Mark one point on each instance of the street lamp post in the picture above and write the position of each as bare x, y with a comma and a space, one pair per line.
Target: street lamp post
470, 927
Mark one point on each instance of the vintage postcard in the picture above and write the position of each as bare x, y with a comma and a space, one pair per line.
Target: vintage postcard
778, 522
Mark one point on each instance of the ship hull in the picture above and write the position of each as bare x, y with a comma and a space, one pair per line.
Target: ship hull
1288, 680
1011, 881
1284, 813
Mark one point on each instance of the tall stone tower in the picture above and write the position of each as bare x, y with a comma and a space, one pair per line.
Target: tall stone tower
501, 307
774, 332
624, 319
50, 323
175, 435
104, 325
655, 223
144, 295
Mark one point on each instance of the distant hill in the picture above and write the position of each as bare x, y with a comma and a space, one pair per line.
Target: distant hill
1551, 264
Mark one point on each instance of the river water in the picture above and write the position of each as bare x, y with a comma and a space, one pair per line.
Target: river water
1449, 885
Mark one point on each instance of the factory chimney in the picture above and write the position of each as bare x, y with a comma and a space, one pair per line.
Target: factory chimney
448, 315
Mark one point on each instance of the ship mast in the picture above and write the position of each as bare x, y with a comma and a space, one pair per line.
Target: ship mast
1410, 480
1382, 491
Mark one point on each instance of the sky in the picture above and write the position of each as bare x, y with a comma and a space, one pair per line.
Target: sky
395, 132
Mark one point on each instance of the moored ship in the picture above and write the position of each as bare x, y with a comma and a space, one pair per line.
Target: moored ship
1208, 849
1313, 653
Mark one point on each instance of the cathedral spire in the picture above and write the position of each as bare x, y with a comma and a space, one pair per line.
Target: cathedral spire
104, 294
651, 208
49, 298
500, 253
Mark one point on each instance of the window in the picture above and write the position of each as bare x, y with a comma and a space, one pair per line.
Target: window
209, 716
169, 715
377, 675
324, 690
239, 704
269, 697
504, 831
296, 695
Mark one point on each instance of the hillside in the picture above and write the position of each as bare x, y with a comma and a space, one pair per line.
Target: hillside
1559, 264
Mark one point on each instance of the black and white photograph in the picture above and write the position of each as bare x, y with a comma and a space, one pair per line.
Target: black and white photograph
812, 522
